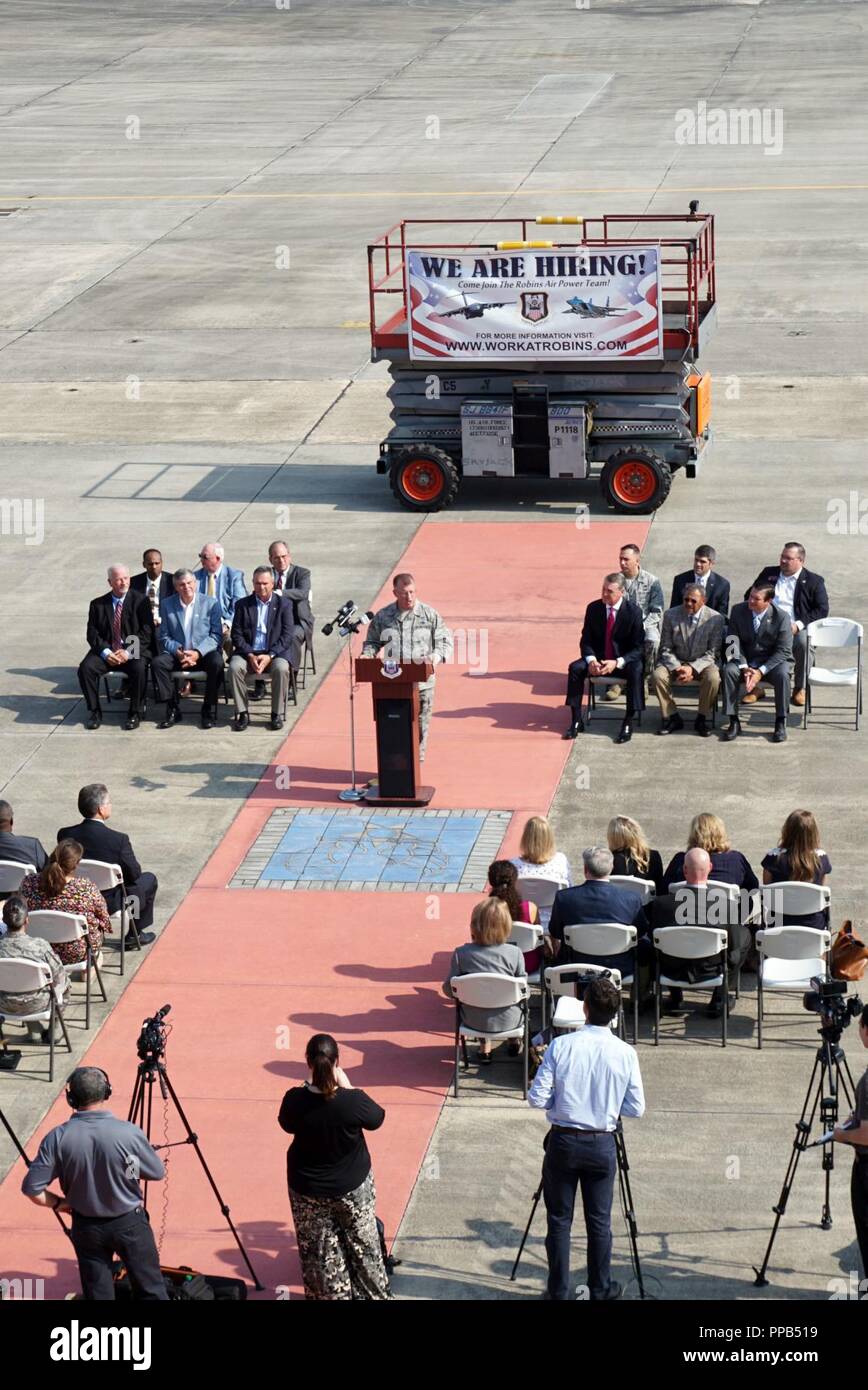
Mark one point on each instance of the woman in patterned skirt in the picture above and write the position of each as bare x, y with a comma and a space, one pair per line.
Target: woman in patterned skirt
56, 889
331, 1186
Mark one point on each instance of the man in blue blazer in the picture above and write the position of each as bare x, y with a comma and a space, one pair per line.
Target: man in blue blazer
191, 638
263, 639
220, 581
598, 900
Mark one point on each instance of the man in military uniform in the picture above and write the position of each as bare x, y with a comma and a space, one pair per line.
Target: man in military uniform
645, 590
408, 630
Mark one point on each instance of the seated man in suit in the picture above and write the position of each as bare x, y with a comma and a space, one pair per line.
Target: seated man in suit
120, 633
689, 651
191, 637
262, 640
758, 646
690, 906
715, 586
220, 581
802, 596
113, 847
613, 639
292, 582
598, 900
157, 586
19, 849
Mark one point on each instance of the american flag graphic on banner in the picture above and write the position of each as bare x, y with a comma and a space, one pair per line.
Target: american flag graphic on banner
582, 303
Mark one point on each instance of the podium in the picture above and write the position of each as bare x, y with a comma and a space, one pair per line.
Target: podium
396, 715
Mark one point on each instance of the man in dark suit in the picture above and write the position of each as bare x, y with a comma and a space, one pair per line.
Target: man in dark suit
291, 582
613, 640
263, 639
758, 646
598, 900
120, 635
19, 849
695, 905
157, 586
112, 847
802, 596
703, 573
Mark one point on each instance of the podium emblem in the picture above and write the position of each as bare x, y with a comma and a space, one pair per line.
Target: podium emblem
391, 669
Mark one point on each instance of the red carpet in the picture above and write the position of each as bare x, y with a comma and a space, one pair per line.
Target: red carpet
251, 974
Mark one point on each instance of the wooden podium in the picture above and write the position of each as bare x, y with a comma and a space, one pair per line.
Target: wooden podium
396, 715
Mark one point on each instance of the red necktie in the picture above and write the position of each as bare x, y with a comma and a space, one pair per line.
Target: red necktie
608, 649
280, 578
116, 627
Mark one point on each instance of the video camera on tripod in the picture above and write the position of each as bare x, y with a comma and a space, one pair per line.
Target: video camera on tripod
151, 1045
347, 619
829, 999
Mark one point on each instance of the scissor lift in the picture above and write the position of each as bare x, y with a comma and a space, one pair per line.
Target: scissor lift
631, 423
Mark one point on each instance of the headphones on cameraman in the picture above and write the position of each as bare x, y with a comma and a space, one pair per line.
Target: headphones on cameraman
74, 1103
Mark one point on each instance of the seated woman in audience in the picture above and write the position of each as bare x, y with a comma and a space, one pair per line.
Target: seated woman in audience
502, 880
489, 950
538, 858
17, 945
56, 889
799, 859
632, 853
708, 832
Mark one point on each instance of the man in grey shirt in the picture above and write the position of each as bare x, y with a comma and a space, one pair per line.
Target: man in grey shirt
410, 631
98, 1160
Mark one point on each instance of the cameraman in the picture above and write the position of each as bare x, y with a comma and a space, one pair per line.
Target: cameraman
858, 1137
586, 1080
98, 1161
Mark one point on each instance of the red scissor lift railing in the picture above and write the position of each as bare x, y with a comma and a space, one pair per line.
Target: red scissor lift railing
687, 262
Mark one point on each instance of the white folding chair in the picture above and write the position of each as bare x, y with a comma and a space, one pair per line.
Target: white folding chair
643, 887
789, 958
308, 649
62, 928
718, 904
609, 939
488, 990
561, 982
11, 876
542, 892
106, 877
33, 977
828, 634
691, 943
528, 936
793, 899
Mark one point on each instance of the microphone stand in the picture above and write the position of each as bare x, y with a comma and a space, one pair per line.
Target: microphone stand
351, 793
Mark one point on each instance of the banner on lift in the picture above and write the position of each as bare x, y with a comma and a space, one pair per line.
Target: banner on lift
574, 303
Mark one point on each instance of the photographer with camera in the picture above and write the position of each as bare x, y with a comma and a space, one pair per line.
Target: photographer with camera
98, 1161
858, 1137
586, 1081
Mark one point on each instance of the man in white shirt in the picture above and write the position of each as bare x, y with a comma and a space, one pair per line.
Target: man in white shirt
586, 1081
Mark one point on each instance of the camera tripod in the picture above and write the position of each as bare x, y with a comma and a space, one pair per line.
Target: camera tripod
830, 1076
23, 1154
626, 1207
149, 1070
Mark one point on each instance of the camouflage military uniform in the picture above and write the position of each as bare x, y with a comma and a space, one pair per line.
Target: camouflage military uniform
647, 592
416, 634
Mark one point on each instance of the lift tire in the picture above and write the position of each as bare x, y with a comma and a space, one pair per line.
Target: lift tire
424, 479
635, 480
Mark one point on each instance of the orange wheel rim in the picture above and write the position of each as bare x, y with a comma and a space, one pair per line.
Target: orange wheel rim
421, 480
634, 482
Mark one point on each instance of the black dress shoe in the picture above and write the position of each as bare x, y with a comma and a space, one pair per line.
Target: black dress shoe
671, 725
133, 721
780, 733
733, 731
258, 690
209, 717
145, 939
95, 720
240, 722
276, 723
577, 727
702, 726
614, 1291
173, 716
626, 732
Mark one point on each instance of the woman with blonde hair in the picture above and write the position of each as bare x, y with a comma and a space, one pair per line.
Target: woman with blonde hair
799, 859
489, 951
631, 852
539, 857
728, 865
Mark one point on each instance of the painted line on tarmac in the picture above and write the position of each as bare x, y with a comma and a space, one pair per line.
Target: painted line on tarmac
24, 198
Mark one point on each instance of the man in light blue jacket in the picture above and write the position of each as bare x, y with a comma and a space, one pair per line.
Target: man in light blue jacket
191, 639
220, 581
